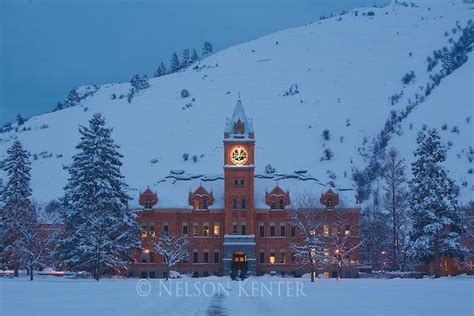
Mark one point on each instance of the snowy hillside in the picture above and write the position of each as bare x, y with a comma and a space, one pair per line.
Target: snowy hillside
345, 68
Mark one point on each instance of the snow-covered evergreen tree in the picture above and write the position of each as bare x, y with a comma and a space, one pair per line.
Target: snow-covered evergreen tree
72, 99
186, 58
16, 208
194, 56
435, 212
175, 65
207, 49
161, 71
137, 84
100, 229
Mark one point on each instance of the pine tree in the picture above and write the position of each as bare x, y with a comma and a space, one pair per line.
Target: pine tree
186, 58
20, 120
137, 84
17, 209
100, 230
207, 49
435, 213
72, 99
161, 71
194, 56
175, 65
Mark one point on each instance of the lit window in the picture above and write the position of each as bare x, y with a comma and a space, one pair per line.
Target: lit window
272, 257
206, 230
144, 232
347, 230
282, 257
325, 230
196, 204
195, 229
148, 202
216, 229
326, 252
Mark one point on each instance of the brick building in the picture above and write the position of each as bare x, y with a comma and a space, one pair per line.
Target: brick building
231, 225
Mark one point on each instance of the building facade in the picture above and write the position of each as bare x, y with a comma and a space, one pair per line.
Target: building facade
238, 236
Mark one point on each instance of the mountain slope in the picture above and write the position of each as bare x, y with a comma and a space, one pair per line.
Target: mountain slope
345, 68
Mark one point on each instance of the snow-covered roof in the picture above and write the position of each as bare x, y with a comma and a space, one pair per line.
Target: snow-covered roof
239, 115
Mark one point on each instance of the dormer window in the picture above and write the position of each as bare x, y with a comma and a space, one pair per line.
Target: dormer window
201, 199
330, 204
277, 198
148, 199
329, 199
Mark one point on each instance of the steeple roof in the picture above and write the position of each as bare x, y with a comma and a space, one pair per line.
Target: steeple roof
239, 124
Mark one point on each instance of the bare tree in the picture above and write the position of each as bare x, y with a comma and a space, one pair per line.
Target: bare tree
342, 240
394, 201
307, 247
173, 248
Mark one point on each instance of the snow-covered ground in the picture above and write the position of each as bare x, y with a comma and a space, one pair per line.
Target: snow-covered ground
220, 296
346, 68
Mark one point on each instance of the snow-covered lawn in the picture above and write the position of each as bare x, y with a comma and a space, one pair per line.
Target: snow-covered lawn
220, 296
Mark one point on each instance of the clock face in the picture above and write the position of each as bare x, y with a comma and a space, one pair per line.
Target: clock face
239, 155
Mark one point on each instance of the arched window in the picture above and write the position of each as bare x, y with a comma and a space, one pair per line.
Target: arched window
204, 204
234, 204
282, 204
244, 204
273, 206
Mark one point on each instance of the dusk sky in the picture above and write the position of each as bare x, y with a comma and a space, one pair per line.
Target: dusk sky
49, 47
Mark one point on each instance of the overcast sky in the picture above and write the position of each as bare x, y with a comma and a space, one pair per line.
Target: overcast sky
48, 47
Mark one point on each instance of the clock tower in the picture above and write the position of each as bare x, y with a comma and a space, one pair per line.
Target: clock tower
239, 213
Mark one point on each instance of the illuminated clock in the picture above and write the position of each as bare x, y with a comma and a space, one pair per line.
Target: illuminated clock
239, 155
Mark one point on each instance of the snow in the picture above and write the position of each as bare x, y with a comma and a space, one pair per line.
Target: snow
57, 296
345, 70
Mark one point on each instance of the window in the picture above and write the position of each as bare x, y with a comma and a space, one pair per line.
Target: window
236, 182
293, 231
204, 204
195, 229
272, 230
185, 229
148, 202
234, 228
282, 204
262, 230
196, 204
234, 204
216, 229
206, 256
273, 206
152, 257
144, 257
216, 257
152, 274
325, 230
242, 183
152, 230
272, 256
335, 229
195, 256
347, 230
244, 229
282, 230
144, 232
165, 228
330, 203
206, 230
143, 274
326, 252
282, 257
244, 204
261, 256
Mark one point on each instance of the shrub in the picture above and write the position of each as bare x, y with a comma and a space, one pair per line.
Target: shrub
408, 77
185, 93
269, 169
185, 156
327, 155
326, 135
195, 158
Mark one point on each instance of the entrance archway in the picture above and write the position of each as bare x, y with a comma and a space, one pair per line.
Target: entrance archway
239, 263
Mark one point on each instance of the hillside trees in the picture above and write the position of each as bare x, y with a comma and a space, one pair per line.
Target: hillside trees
160, 71
207, 49
137, 84
175, 64
100, 229
435, 213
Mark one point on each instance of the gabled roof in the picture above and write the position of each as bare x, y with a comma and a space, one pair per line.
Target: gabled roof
239, 118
